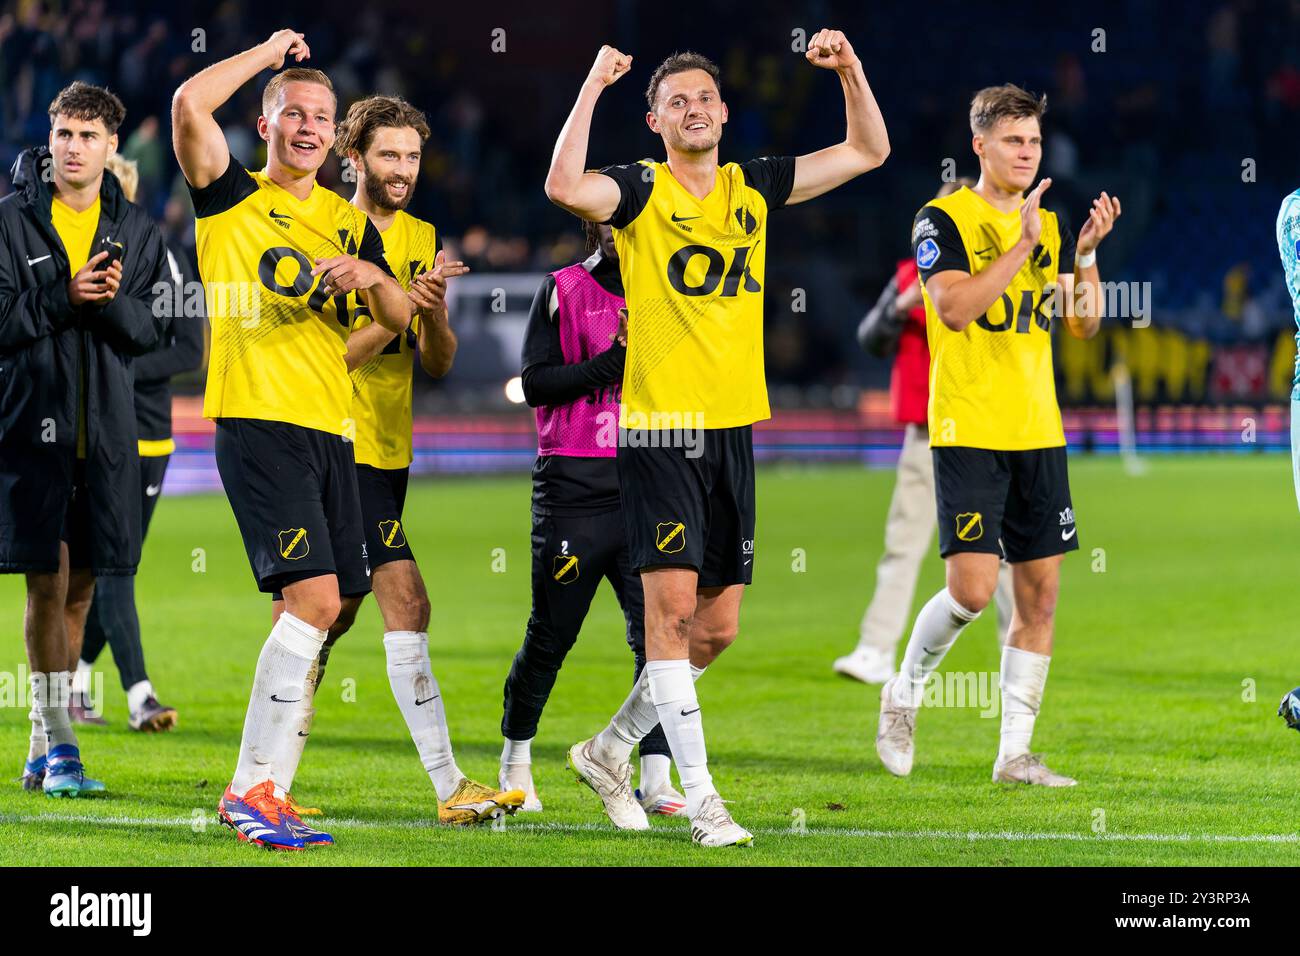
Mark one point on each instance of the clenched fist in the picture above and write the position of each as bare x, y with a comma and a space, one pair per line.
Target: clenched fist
609, 66
830, 50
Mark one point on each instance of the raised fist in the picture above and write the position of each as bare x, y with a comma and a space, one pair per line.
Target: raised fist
609, 66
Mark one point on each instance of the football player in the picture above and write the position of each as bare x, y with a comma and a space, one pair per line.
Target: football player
691, 239
382, 138
279, 255
996, 270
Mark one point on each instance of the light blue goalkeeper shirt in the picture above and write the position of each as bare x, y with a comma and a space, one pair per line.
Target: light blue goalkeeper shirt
1288, 244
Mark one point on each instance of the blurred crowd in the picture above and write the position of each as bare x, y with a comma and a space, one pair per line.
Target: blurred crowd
1157, 104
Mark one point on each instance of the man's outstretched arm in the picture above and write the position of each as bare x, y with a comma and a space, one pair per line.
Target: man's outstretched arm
568, 184
196, 137
866, 144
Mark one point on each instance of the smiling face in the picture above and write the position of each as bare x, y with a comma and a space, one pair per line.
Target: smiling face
390, 167
79, 148
689, 112
299, 129
1010, 152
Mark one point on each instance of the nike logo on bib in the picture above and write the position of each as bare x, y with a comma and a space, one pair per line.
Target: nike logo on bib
1067, 535
152, 490
32, 262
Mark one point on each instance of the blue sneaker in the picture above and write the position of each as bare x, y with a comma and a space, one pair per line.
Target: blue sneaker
258, 817
33, 773
64, 774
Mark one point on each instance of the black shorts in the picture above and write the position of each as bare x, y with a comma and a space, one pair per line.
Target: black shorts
1014, 504
294, 494
691, 507
383, 495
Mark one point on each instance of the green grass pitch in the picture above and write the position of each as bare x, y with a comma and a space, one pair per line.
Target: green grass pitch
1162, 696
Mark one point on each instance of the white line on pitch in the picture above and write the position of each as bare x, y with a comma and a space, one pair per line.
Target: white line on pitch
972, 836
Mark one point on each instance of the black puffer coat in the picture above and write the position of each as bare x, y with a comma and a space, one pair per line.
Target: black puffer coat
43, 340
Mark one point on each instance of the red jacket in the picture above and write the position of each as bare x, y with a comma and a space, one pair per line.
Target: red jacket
909, 385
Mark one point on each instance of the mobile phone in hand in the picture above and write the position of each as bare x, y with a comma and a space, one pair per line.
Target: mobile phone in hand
112, 247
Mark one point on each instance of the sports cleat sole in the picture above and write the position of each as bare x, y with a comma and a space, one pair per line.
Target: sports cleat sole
743, 841
159, 723
506, 803
531, 803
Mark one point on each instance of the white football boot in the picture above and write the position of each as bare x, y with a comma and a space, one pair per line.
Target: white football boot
612, 785
712, 825
1029, 768
664, 802
867, 664
895, 732
519, 776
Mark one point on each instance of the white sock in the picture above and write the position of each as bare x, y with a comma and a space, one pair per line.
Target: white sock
632, 721
420, 700
517, 752
935, 631
282, 667
284, 768
81, 677
655, 773
630, 724
37, 744
673, 691
137, 694
50, 695
1024, 675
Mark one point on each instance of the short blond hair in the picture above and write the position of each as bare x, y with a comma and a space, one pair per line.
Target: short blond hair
127, 172
1008, 101
295, 74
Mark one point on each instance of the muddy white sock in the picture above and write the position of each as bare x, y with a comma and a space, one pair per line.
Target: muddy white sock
1024, 675
273, 710
37, 744
50, 695
673, 691
419, 698
630, 724
936, 629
